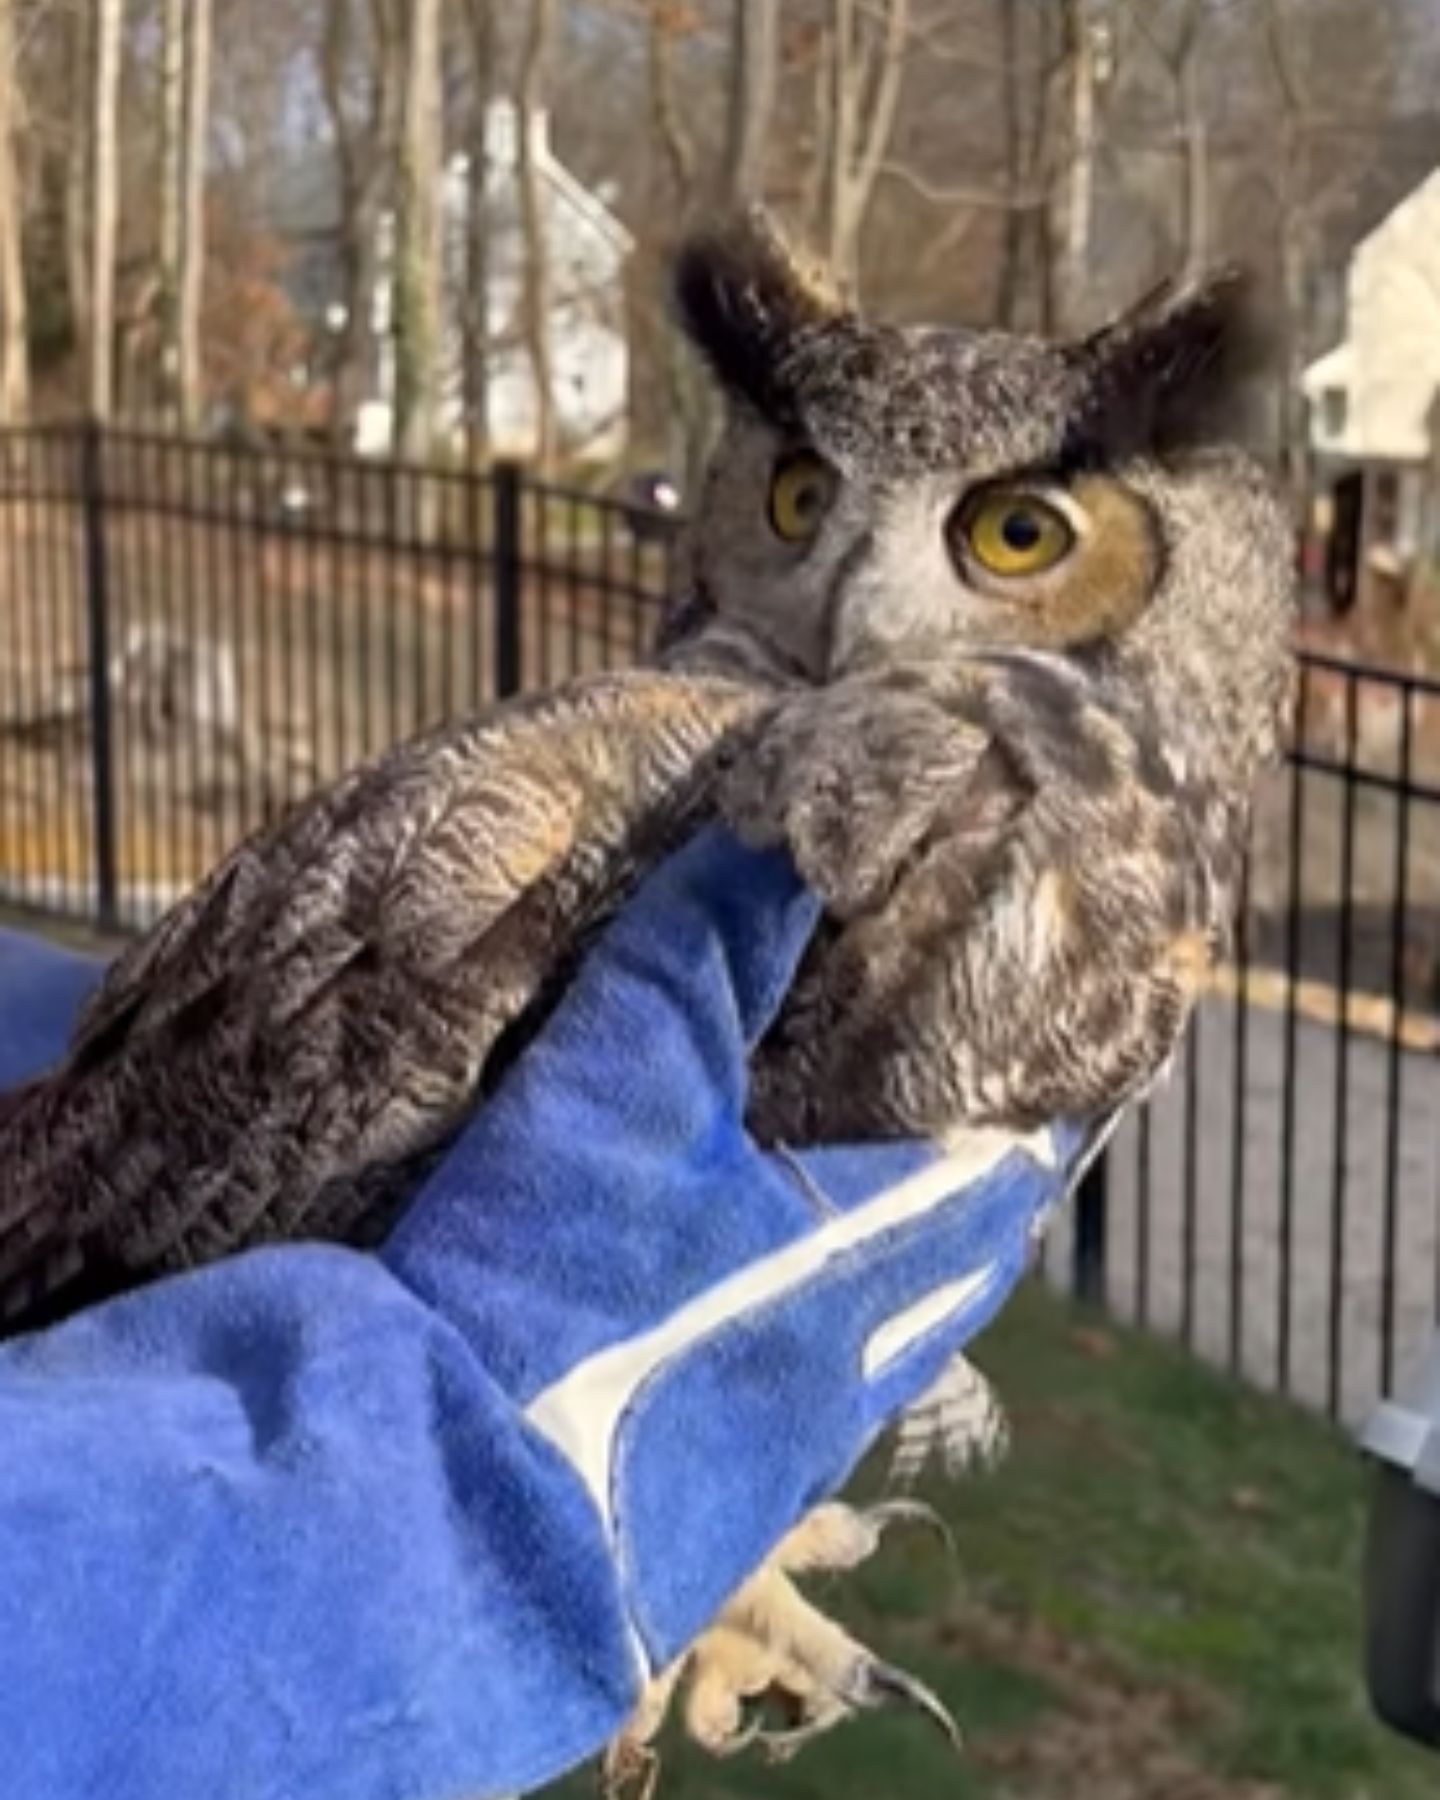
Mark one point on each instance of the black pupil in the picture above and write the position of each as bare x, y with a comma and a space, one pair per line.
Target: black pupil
1021, 530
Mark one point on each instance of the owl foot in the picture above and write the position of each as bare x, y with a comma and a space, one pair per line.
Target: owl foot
771, 1645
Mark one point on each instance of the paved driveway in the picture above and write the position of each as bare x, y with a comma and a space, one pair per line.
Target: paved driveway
1348, 1259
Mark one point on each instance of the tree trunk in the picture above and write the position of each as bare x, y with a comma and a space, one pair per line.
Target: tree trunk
475, 313
172, 184
418, 237
14, 349
839, 116
754, 63
1007, 285
362, 154
77, 180
1080, 180
1195, 186
1294, 445
104, 86
192, 214
537, 297
862, 95
690, 418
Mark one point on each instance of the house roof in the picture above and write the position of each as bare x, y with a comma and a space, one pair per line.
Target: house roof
1335, 369
304, 199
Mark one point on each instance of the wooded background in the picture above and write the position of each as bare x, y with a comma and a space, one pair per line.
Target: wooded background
1031, 163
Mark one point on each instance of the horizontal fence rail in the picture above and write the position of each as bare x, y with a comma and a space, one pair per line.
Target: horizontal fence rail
192, 635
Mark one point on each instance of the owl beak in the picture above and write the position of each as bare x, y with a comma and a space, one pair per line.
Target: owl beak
852, 601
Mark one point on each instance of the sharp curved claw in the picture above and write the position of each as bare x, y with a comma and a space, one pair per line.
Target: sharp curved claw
913, 1512
629, 1771
747, 1735
881, 1684
780, 1746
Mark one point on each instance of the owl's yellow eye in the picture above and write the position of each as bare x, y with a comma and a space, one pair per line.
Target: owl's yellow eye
1010, 531
802, 491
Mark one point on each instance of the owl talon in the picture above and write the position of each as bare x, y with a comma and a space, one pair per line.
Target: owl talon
629, 1770
835, 1536
871, 1685
771, 1644
882, 1684
781, 1746
910, 1512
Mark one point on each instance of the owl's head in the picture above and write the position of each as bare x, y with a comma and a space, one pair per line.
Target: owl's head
885, 491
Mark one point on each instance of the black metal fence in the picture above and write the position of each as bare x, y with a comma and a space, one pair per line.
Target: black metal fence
1275, 1206
191, 635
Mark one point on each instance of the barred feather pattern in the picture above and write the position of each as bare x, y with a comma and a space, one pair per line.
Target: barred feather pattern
958, 1422
1023, 807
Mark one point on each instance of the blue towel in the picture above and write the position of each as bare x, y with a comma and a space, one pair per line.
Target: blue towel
421, 1524
42, 988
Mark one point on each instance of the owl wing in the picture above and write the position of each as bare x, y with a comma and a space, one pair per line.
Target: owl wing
859, 778
1036, 905
326, 1001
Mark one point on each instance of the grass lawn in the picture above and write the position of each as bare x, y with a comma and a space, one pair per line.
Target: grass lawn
1156, 1598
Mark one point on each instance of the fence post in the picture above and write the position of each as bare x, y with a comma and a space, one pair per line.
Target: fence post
508, 584
97, 624
1092, 1203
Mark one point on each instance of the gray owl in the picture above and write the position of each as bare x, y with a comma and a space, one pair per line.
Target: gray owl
991, 632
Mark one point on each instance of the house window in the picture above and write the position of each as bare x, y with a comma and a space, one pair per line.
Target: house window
1334, 411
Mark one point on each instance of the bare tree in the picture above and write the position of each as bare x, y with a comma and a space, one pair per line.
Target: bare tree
80, 27
191, 267
1295, 246
866, 51
1007, 289
172, 181
14, 349
418, 222
104, 188
689, 404
1079, 200
360, 56
677, 148
480, 37
1195, 156
536, 304
753, 72
1178, 53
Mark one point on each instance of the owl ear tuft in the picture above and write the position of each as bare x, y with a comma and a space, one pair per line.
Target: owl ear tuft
743, 298
1172, 372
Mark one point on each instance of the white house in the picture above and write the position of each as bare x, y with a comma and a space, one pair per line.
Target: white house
1373, 397
587, 247
1372, 394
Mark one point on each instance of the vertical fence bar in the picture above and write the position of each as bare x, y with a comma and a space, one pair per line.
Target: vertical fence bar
53, 851
337, 588
509, 587
1295, 909
1092, 1228
1144, 1164
97, 626
478, 570
1240, 1093
1345, 928
63, 621
1395, 1087
12, 788
1190, 1183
